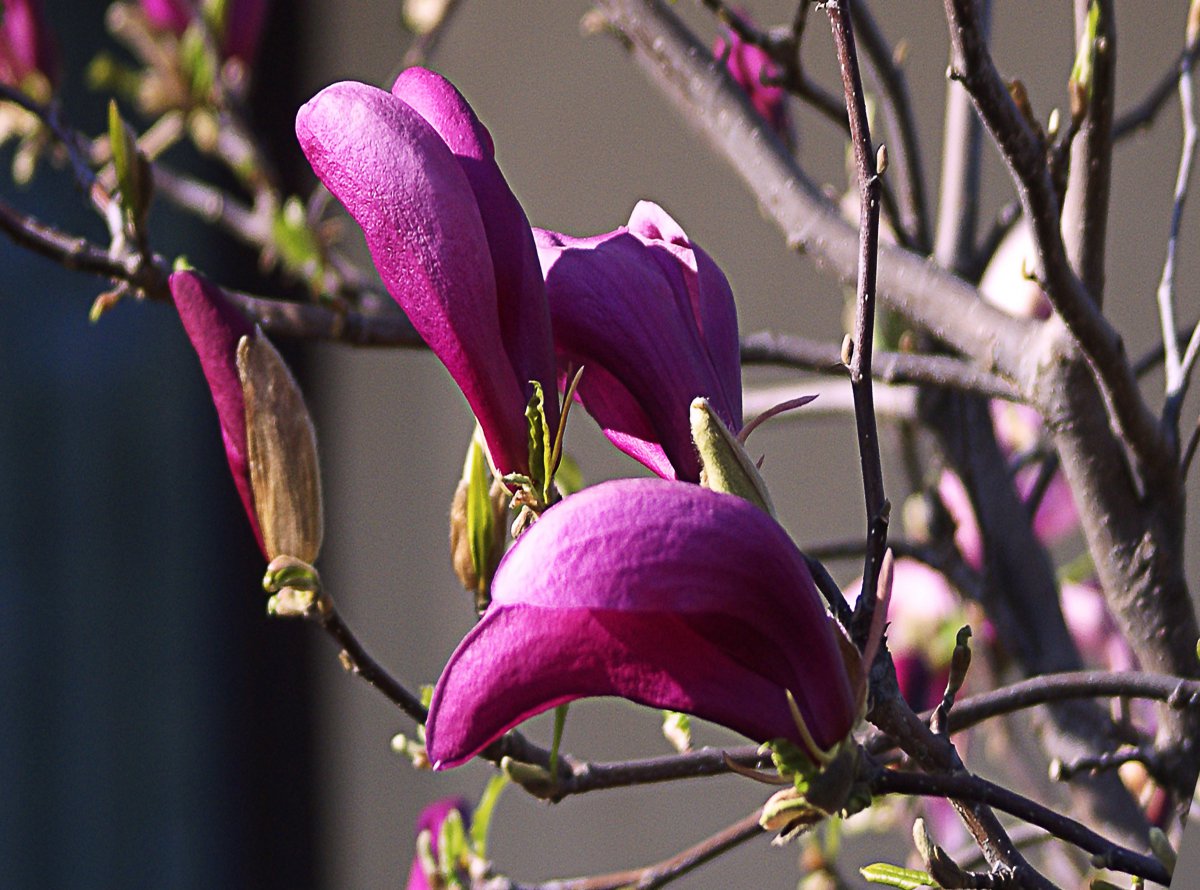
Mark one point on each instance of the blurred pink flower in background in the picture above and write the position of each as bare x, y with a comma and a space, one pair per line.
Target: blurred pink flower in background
756, 73
26, 44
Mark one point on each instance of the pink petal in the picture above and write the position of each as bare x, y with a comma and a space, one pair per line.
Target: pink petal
662, 593
422, 223
215, 327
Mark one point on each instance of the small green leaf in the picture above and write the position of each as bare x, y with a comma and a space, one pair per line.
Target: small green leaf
482, 821
1081, 83
133, 172
216, 13
569, 477
298, 248
677, 729
452, 848
894, 876
724, 463
197, 62
541, 444
1085, 56
481, 517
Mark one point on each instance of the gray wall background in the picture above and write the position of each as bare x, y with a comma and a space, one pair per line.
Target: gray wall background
581, 137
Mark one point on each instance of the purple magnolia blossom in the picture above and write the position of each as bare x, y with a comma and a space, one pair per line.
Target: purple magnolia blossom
26, 44
669, 595
431, 820
244, 23
215, 327
416, 170
1017, 429
756, 73
652, 318
168, 15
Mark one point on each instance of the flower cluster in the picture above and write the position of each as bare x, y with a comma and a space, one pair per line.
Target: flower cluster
660, 591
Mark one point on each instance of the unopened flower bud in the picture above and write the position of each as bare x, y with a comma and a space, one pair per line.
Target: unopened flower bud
477, 524
725, 465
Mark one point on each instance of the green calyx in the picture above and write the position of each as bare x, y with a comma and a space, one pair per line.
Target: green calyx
835, 786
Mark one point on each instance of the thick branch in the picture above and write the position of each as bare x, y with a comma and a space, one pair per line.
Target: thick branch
1024, 152
1085, 206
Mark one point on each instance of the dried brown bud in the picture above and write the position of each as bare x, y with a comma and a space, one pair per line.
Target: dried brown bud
284, 474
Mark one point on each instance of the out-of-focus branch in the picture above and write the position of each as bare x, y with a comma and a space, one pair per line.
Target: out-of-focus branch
767, 348
933, 298
1085, 205
425, 43
962, 147
1024, 152
896, 105
1144, 113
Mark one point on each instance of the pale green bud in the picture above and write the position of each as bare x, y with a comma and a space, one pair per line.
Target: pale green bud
725, 465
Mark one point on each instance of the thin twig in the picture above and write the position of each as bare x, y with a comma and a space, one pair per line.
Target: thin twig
1178, 369
1143, 113
767, 348
895, 102
662, 873
865, 162
978, 790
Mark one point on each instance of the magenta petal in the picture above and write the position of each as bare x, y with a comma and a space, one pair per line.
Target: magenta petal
409, 194
244, 23
749, 66
431, 820
167, 15
669, 595
215, 327
711, 298
524, 316
26, 43
636, 305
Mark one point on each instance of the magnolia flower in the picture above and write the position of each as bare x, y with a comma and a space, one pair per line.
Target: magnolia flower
243, 22
651, 318
753, 70
269, 439
415, 168
26, 44
431, 820
669, 595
